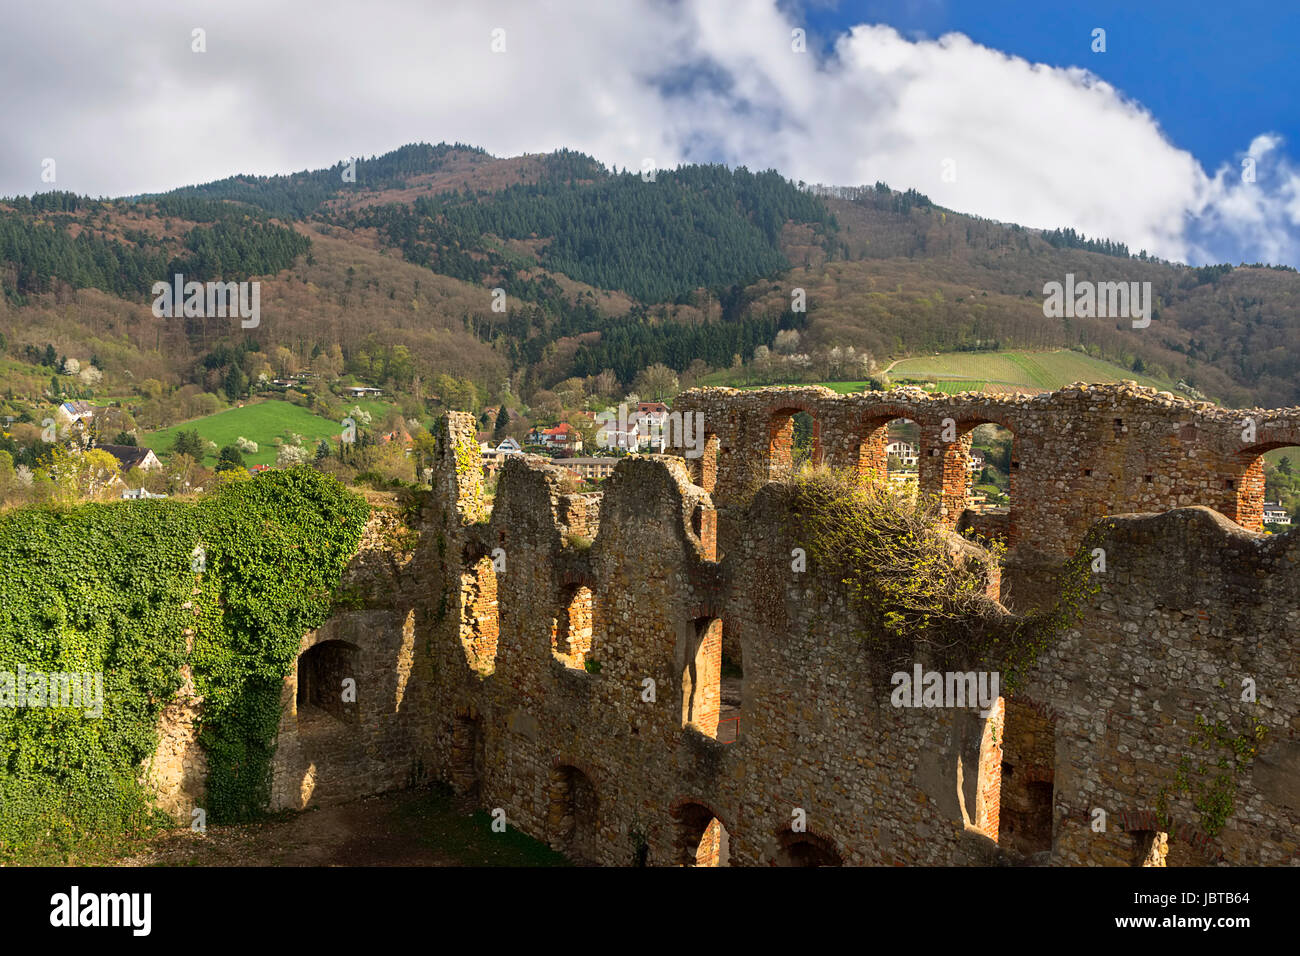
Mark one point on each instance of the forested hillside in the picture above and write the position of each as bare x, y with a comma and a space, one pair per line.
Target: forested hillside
384, 268
700, 226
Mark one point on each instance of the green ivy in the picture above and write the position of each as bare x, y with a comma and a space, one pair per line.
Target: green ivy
1211, 779
112, 588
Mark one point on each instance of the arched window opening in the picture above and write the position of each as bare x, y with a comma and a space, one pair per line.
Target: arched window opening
794, 443
327, 686
806, 849
980, 470
702, 677
890, 450
574, 814
700, 839
480, 615
1264, 494
572, 629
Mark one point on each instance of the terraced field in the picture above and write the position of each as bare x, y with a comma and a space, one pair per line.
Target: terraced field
991, 372
1013, 371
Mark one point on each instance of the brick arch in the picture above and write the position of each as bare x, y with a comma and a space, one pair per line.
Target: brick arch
696, 840
572, 576
473, 551
321, 636
780, 436
1243, 491
676, 805
869, 436
823, 847
950, 469
567, 759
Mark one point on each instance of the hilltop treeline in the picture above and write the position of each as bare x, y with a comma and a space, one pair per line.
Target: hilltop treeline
300, 195
690, 228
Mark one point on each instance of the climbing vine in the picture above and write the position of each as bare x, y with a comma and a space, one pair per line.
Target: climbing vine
1209, 778
113, 589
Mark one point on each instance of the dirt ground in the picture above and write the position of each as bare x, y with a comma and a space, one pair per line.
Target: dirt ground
426, 827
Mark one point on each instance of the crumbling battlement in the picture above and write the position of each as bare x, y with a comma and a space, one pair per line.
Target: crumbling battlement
1078, 454
600, 669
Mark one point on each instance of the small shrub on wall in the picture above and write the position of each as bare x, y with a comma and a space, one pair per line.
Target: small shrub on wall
110, 589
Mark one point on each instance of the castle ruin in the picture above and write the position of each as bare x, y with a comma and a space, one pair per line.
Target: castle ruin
638, 676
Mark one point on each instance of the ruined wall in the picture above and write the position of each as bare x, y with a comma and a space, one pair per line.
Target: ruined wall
1189, 607
177, 771
581, 758
1078, 454
615, 753
586, 760
330, 748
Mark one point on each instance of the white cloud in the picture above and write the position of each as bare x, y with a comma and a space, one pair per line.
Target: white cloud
124, 106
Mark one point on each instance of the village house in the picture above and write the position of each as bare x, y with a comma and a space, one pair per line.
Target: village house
398, 434
1274, 513
907, 453
624, 439
131, 456
75, 412
494, 458
363, 391
592, 469
562, 439
137, 494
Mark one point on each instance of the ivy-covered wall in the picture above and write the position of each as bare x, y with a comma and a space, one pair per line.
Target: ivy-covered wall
113, 589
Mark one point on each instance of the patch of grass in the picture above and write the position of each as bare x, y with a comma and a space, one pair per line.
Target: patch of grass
262, 422
437, 822
844, 388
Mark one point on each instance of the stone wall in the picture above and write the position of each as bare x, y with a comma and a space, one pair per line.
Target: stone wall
1078, 454
331, 749
1193, 618
612, 748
